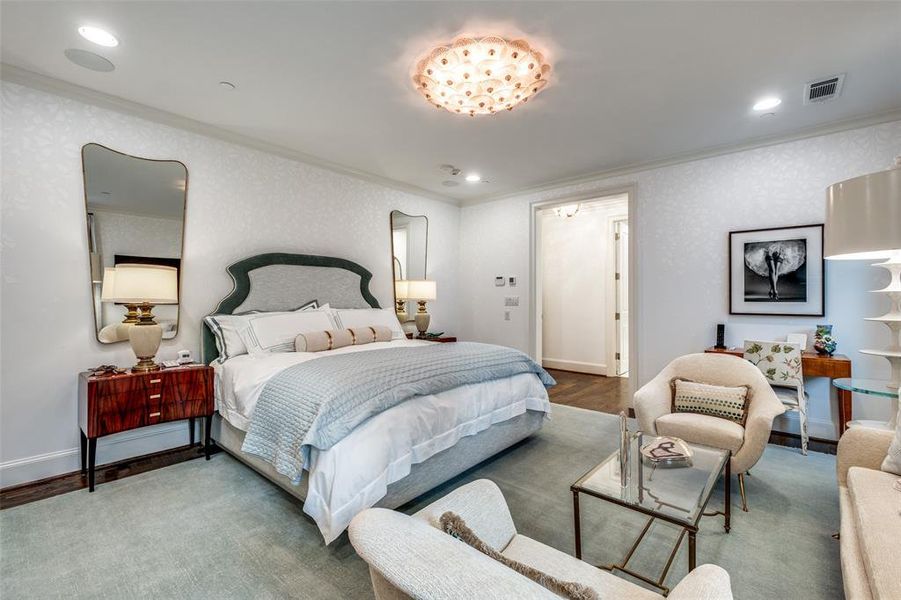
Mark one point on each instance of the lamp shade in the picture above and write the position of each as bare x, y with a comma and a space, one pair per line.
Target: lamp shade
107, 292
863, 216
401, 289
153, 284
421, 289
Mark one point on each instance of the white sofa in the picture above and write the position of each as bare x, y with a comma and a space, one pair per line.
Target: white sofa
870, 517
409, 557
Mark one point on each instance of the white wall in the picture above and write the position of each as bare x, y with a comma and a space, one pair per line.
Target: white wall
576, 276
683, 214
240, 202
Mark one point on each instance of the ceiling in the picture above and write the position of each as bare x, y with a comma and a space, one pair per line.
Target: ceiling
632, 82
120, 183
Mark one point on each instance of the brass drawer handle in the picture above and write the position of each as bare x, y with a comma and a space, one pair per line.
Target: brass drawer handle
156, 414
155, 396
155, 380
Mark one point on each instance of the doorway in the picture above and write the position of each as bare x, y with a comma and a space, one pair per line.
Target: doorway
582, 326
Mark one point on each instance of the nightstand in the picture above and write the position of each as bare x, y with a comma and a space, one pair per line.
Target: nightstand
115, 403
444, 339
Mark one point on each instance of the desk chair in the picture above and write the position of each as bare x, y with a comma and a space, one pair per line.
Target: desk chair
780, 363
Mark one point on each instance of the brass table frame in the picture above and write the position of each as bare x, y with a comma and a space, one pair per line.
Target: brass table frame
690, 529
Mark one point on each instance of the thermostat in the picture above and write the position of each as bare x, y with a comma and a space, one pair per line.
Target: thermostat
499, 281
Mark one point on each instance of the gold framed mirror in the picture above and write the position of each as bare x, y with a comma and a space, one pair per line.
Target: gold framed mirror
409, 255
135, 215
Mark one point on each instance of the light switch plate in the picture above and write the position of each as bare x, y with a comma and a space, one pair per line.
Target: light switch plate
499, 281
512, 280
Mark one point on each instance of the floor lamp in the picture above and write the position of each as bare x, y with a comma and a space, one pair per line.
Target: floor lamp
863, 222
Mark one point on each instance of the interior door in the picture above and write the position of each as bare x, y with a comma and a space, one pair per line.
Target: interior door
621, 245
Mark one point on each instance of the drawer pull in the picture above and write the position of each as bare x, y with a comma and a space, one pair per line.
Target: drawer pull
155, 396
155, 380
156, 414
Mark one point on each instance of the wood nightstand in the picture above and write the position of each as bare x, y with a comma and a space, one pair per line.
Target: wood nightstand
444, 339
116, 403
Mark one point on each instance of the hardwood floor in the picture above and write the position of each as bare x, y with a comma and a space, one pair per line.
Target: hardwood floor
594, 392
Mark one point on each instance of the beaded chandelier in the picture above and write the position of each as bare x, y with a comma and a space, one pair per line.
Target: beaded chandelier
481, 76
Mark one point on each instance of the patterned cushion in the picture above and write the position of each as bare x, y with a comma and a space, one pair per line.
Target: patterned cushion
715, 400
780, 362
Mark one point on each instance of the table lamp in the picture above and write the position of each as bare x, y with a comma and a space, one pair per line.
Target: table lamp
401, 287
422, 291
145, 286
863, 222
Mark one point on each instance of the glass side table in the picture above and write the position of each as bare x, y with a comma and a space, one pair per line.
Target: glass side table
872, 387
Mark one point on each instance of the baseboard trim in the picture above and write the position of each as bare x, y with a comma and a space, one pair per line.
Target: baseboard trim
574, 366
789, 424
109, 449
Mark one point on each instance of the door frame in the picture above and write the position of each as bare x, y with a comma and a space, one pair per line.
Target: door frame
535, 285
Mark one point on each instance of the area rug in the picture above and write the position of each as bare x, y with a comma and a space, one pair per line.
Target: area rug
218, 530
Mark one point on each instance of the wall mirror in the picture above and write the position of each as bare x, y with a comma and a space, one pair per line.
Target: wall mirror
135, 215
409, 251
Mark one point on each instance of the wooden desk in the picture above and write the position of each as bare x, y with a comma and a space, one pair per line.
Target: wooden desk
817, 365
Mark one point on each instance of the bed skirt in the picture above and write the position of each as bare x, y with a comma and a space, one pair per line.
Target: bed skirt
467, 453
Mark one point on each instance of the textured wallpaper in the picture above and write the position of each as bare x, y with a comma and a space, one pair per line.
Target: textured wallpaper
684, 213
240, 202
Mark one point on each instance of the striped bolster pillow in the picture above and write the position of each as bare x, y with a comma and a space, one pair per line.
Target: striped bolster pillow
317, 341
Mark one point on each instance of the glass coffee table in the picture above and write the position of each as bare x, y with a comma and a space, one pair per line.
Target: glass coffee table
676, 495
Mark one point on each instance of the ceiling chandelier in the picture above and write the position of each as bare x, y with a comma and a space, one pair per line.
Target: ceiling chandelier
481, 76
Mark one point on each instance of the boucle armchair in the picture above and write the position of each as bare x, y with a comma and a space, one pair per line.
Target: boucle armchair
653, 409
409, 557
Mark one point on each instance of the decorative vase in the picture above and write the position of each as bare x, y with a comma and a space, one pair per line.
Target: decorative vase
823, 342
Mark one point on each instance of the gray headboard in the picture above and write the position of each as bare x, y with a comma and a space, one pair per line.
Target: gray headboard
281, 281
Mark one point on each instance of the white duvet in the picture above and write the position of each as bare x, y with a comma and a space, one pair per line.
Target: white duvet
355, 473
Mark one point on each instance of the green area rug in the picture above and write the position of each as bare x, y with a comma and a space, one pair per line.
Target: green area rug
218, 530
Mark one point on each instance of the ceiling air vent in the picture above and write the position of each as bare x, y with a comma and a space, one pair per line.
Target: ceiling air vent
822, 90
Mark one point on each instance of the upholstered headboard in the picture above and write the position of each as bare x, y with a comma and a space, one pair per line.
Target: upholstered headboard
281, 281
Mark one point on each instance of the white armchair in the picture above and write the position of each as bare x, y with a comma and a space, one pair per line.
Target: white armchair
653, 409
409, 557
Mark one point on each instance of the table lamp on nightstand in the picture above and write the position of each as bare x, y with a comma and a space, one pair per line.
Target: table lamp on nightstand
144, 286
863, 222
422, 291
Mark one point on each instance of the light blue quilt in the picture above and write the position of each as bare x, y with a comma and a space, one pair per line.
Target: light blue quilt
317, 403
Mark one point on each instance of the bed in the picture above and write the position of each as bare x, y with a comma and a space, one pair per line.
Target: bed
391, 457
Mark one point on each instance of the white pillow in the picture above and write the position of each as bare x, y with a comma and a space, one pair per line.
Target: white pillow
268, 332
364, 317
227, 329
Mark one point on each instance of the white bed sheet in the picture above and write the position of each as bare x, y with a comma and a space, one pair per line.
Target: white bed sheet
355, 473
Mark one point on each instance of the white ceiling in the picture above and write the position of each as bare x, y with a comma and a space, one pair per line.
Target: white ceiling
121, 183
633, 82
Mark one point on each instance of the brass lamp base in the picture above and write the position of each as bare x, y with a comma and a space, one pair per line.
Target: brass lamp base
145, 338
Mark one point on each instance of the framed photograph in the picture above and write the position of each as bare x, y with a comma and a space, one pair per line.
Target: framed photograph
777, 271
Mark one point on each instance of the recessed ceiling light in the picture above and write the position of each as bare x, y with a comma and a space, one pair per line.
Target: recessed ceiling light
227, 85
98, 36
89, 60
473, 178
767, 103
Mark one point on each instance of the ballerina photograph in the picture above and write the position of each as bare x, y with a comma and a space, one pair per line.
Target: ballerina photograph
777, 271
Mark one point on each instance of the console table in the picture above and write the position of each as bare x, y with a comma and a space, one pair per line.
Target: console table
837, 366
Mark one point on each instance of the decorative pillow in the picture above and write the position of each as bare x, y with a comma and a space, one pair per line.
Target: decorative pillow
892, 462
275, 332
715, 400
227, 330
349, 318
317, 341
455, 526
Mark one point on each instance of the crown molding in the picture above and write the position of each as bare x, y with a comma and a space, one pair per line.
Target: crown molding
710, 152
20, 76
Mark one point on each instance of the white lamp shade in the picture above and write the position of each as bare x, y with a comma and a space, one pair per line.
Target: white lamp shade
421, 289
109, 285
401, 289
863, 216
153, 284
